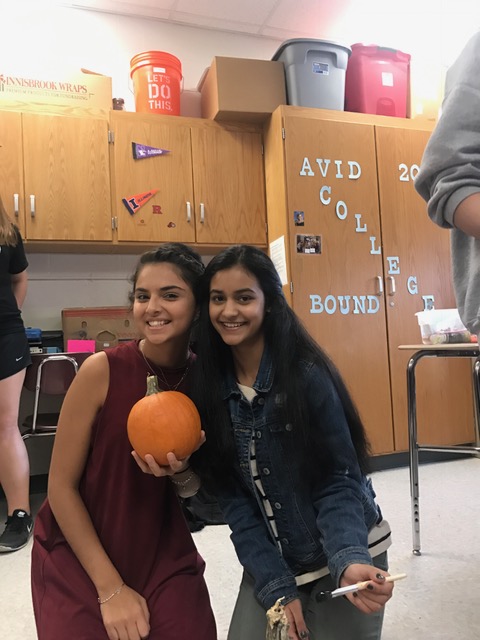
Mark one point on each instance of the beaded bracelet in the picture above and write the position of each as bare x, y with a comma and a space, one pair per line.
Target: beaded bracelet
183, 483
100, 601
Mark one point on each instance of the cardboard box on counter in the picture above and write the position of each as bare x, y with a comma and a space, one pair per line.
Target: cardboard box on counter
106, 325
242, 89
86, 89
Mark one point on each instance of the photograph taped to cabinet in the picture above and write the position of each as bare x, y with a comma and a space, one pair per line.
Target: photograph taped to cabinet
308, 244
298, 218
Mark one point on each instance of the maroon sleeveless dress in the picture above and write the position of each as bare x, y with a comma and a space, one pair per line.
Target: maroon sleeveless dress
140, 524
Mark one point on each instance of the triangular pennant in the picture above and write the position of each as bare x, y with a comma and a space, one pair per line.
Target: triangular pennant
141, 151
135, 202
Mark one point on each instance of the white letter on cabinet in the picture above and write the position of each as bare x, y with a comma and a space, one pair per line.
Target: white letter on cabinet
354, 165
393, 265
374, 250
317, 306
306, 168
412, 286
324, 200
428, 303
323, 170
341, 210
358, 228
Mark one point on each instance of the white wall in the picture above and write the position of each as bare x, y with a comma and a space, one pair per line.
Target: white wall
63, 40
40, 35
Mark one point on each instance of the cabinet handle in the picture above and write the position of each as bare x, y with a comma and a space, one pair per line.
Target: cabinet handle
15, 204
392, 290
202, 213
189, 212
32, 206
379, 280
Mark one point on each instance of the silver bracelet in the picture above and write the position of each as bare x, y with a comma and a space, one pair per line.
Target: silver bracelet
100, 601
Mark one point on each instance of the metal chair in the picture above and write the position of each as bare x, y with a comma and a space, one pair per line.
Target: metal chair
48, 375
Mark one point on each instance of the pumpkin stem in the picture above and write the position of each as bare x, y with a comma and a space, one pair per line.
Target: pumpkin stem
152, 386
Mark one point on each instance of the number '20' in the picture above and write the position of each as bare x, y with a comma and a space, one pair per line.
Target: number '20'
408, 173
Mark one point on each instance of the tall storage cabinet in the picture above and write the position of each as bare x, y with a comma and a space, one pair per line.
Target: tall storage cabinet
361, 258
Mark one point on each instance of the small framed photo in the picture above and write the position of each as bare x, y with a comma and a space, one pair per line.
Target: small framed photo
298, 218
309, 244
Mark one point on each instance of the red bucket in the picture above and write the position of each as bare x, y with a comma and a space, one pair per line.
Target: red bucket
156, 77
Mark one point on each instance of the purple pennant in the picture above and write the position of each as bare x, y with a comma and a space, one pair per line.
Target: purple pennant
141, 151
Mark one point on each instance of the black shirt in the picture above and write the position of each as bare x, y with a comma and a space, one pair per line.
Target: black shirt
12, 261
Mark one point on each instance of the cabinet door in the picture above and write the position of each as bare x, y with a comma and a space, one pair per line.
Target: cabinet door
417, 271
67, 181
332, 188
169, 214
11, 167
229, 186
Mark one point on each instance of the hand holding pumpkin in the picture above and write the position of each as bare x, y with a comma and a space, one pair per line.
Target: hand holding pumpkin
162, 424
149, 465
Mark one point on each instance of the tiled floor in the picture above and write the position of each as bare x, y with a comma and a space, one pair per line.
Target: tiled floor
438, 601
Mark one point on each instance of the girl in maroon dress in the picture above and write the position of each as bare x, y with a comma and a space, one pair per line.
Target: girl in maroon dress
113, 557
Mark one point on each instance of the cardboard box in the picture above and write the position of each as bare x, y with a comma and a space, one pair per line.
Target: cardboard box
83, 90
241, 89
106, 325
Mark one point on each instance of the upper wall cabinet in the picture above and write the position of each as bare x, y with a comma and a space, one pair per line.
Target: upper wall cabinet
362, 257
198, 182
63, 188
229, 186
168, 214
11, 167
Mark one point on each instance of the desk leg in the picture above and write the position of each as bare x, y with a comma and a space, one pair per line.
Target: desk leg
413, 454
476, 396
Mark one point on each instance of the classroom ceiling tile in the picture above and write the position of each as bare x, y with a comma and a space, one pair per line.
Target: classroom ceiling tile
279, 19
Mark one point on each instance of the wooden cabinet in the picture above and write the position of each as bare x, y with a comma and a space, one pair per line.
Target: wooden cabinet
11, 167
208, 186
57, 169
362, 257
66, 186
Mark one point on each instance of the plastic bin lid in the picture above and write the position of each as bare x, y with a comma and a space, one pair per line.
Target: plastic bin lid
375, 49
330, 43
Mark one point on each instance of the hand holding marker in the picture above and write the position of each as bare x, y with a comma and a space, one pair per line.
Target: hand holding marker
322, 596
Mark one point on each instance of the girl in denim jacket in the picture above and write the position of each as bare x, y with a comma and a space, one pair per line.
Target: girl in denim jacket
286, 455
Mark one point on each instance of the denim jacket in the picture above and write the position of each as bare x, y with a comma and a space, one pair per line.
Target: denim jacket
319, 524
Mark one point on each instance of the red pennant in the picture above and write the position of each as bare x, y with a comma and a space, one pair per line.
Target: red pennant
133, 203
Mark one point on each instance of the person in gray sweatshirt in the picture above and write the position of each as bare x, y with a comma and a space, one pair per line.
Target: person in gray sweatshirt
449, 178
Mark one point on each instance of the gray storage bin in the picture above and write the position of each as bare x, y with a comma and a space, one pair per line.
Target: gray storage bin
314, 72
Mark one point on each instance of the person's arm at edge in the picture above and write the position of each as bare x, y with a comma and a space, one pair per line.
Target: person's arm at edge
467, 215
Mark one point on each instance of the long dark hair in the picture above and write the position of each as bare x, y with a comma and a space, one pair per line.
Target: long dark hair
288, 342
187, 261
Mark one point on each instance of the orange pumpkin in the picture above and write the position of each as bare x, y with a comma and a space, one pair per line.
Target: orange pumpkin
164, 421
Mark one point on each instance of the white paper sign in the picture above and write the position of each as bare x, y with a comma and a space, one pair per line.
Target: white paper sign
277, 254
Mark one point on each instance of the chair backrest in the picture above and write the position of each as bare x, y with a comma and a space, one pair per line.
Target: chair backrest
53, 373
49, 374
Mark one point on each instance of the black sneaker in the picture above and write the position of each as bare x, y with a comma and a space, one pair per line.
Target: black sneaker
19, 528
